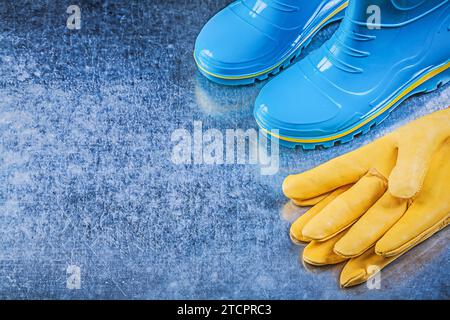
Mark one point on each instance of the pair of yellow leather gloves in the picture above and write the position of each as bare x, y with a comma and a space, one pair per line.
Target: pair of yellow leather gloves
374, 204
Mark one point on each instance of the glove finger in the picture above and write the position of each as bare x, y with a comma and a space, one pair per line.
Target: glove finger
418, 224
429, 213
413, 161
343, 211
371, 226
344, 170
310, 202
321, 253
360, 269
297, 226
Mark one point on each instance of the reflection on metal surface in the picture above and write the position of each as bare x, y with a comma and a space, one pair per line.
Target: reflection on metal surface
405, 269
290, 212
219, 100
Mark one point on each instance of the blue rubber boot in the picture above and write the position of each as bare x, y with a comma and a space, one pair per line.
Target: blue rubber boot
252, 39
361, 74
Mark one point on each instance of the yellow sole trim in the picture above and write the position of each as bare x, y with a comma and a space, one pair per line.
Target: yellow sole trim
331, 15
413, 86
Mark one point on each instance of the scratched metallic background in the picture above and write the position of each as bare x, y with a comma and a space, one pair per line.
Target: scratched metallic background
86, 179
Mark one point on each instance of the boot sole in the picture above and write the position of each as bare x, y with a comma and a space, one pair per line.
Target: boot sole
336, 15
430, 81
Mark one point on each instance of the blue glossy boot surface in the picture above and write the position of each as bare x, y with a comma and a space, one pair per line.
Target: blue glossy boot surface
361, 74
252, 39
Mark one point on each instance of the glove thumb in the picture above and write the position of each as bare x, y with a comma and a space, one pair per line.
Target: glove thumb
413, 161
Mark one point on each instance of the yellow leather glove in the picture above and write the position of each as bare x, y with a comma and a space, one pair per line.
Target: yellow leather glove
342, 200
426, 215
406, 152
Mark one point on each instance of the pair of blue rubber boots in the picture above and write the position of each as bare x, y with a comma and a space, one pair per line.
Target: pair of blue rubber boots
383, 52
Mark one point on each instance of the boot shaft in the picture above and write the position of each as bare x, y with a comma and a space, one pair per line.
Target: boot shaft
391, 13
406, 32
